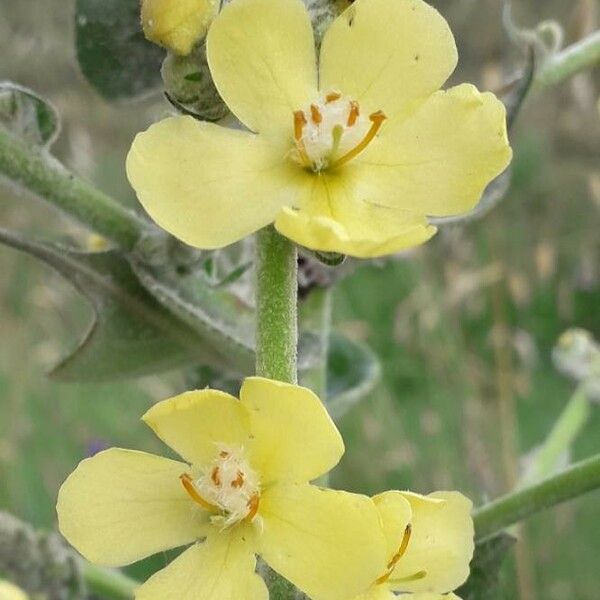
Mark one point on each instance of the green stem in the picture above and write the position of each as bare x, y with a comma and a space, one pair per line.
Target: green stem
109, 584
573, 59
516, 506
276, 306
564, 432
276, 333
35, 170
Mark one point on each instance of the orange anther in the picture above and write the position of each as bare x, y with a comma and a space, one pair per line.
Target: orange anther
253, 504
354, 113
223, 454
315, 114
332, 97
299, 123
190, 488
216, 479
238, 482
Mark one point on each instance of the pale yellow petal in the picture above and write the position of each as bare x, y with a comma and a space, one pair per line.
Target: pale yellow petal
221, 568
380, 592
177, 25
120, 506
439, 161
294, 436
208, 185
395, 513
441, 544
344, 215
328, 543
195, 423
388, 55
8, 591
262, 58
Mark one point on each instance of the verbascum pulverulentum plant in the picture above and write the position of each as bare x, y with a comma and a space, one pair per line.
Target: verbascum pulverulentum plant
352, 157
177, 25
243, 491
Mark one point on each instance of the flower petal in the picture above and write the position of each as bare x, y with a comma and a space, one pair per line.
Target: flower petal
395, 513
328, 543
441, 543
347, 216
8, 591
121, 505
194, 423
262, 58
221, 568
208, 185
388, 55
439, 161
294, 436
380, 592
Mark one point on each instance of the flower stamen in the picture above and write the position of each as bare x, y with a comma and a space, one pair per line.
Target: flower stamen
377, 119
299, 124
399, 554
190, 488
315, 114
253, 505
354, 113
332, 97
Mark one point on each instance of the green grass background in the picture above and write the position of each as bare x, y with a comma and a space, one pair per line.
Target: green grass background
464, 327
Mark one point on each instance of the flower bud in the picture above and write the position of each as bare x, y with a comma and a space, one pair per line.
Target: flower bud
177, 24
577, 355
188, 82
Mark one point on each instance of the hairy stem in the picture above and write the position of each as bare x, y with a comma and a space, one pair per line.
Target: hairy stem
276, 306
35, 170
573, 59
516, 506
276, 334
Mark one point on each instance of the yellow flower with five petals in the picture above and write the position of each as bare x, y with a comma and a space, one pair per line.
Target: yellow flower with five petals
430, 545
242, 491
352, 157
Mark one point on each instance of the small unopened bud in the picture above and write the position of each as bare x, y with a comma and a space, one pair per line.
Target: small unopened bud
188, 82
177, 24
577, 354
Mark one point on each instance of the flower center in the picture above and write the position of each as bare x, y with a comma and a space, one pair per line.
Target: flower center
228, 486
332, 131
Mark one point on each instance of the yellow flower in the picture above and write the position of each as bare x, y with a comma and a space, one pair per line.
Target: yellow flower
177, 24
8, 591
242, 491
352, 159
430, 545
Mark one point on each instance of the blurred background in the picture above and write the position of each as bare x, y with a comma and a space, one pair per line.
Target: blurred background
464, 327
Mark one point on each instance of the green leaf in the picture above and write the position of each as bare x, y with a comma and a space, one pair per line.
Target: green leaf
27, 116
483, 583
220, 318
131, 334
352, 372
112, 51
